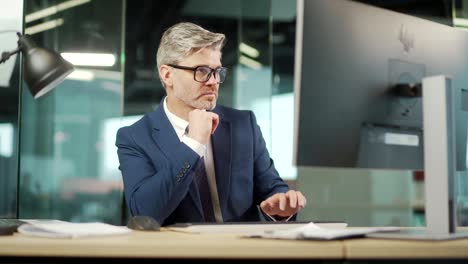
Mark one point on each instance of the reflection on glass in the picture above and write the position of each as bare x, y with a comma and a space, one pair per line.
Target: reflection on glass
109, 166
11, 12
8, 181
283, 40
64, 135
6, 140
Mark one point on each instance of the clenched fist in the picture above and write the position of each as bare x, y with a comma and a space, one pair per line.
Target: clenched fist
202, 125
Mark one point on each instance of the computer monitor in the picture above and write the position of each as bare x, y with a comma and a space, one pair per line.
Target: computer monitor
358, 102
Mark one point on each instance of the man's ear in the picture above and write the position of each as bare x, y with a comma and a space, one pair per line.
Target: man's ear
165, 73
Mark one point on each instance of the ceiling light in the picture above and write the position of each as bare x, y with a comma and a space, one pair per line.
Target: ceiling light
250, 63
44, 26
248, 50
90, 59
54, 9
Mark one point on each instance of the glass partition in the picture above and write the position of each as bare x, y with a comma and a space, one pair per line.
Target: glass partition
460, 20
283, 40
11, 21
253, 72
68, 159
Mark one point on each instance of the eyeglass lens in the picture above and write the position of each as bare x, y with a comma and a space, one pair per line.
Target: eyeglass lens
203, 74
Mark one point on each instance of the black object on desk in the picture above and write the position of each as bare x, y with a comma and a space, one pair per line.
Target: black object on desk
143, 223
9, 226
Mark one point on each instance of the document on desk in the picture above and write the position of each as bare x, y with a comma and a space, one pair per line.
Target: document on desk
245, 228
312, 231
63, 229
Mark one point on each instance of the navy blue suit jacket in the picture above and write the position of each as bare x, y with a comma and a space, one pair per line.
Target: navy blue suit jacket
158, 169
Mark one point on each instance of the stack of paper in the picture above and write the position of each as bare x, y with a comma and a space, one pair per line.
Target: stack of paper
315, 232
62, 229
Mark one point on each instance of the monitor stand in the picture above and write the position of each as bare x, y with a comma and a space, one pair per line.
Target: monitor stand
439, 164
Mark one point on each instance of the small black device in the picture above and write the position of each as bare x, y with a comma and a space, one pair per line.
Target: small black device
143, 223
9, 226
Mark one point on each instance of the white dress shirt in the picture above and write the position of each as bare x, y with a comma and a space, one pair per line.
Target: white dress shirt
206, 151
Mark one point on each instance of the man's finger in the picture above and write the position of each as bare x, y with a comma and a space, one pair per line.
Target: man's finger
282, 202
301, 199
266, 206
292, 195
215, 123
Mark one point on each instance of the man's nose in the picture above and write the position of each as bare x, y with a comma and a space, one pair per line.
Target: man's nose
212, 80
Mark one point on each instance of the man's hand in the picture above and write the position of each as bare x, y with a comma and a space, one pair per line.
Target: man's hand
202, 124
284, 204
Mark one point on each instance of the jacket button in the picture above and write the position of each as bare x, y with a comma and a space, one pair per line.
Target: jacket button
187, 165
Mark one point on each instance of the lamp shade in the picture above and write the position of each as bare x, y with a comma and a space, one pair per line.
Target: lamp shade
44, 69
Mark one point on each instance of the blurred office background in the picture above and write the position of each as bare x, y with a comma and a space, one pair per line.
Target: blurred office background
57, 154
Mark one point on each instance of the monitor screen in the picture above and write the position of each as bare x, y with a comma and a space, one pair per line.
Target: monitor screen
357, 93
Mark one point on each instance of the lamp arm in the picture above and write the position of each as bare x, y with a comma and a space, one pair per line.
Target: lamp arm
7, 54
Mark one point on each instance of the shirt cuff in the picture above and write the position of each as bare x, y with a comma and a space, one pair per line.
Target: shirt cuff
196, 146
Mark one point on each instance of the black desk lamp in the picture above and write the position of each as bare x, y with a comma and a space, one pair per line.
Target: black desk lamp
44, 69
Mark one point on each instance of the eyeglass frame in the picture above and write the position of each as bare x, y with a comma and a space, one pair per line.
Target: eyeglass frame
194, 69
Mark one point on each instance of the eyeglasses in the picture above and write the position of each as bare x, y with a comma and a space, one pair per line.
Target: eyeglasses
203, 73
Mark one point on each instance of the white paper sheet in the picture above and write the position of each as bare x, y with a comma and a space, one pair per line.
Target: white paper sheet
62, 229
314, 232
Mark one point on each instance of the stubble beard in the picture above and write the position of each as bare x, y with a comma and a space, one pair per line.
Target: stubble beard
197, 103
207, 105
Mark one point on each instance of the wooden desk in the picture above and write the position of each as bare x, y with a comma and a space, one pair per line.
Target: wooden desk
405, 249
170, 245
176, 245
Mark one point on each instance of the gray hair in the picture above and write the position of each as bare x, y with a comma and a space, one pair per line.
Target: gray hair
184, 39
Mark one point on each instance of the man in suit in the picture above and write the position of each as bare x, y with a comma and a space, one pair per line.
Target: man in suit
191, 160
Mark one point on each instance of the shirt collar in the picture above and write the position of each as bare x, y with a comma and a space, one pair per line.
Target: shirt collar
179, 124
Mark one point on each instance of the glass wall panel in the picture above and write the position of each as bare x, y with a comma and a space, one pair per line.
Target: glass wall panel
68, 159
11, 13
283, 40
460, 20
253, 73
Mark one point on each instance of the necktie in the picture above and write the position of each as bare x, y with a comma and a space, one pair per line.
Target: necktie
201, 181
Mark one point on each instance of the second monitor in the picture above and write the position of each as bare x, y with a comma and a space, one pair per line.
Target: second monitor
358, 103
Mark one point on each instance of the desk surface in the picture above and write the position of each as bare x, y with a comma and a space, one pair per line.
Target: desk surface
169, 244
405, 249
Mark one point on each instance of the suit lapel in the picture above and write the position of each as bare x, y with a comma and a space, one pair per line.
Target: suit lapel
166, 138
221, 142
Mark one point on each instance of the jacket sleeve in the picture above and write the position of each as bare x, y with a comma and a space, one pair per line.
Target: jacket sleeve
152, 191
